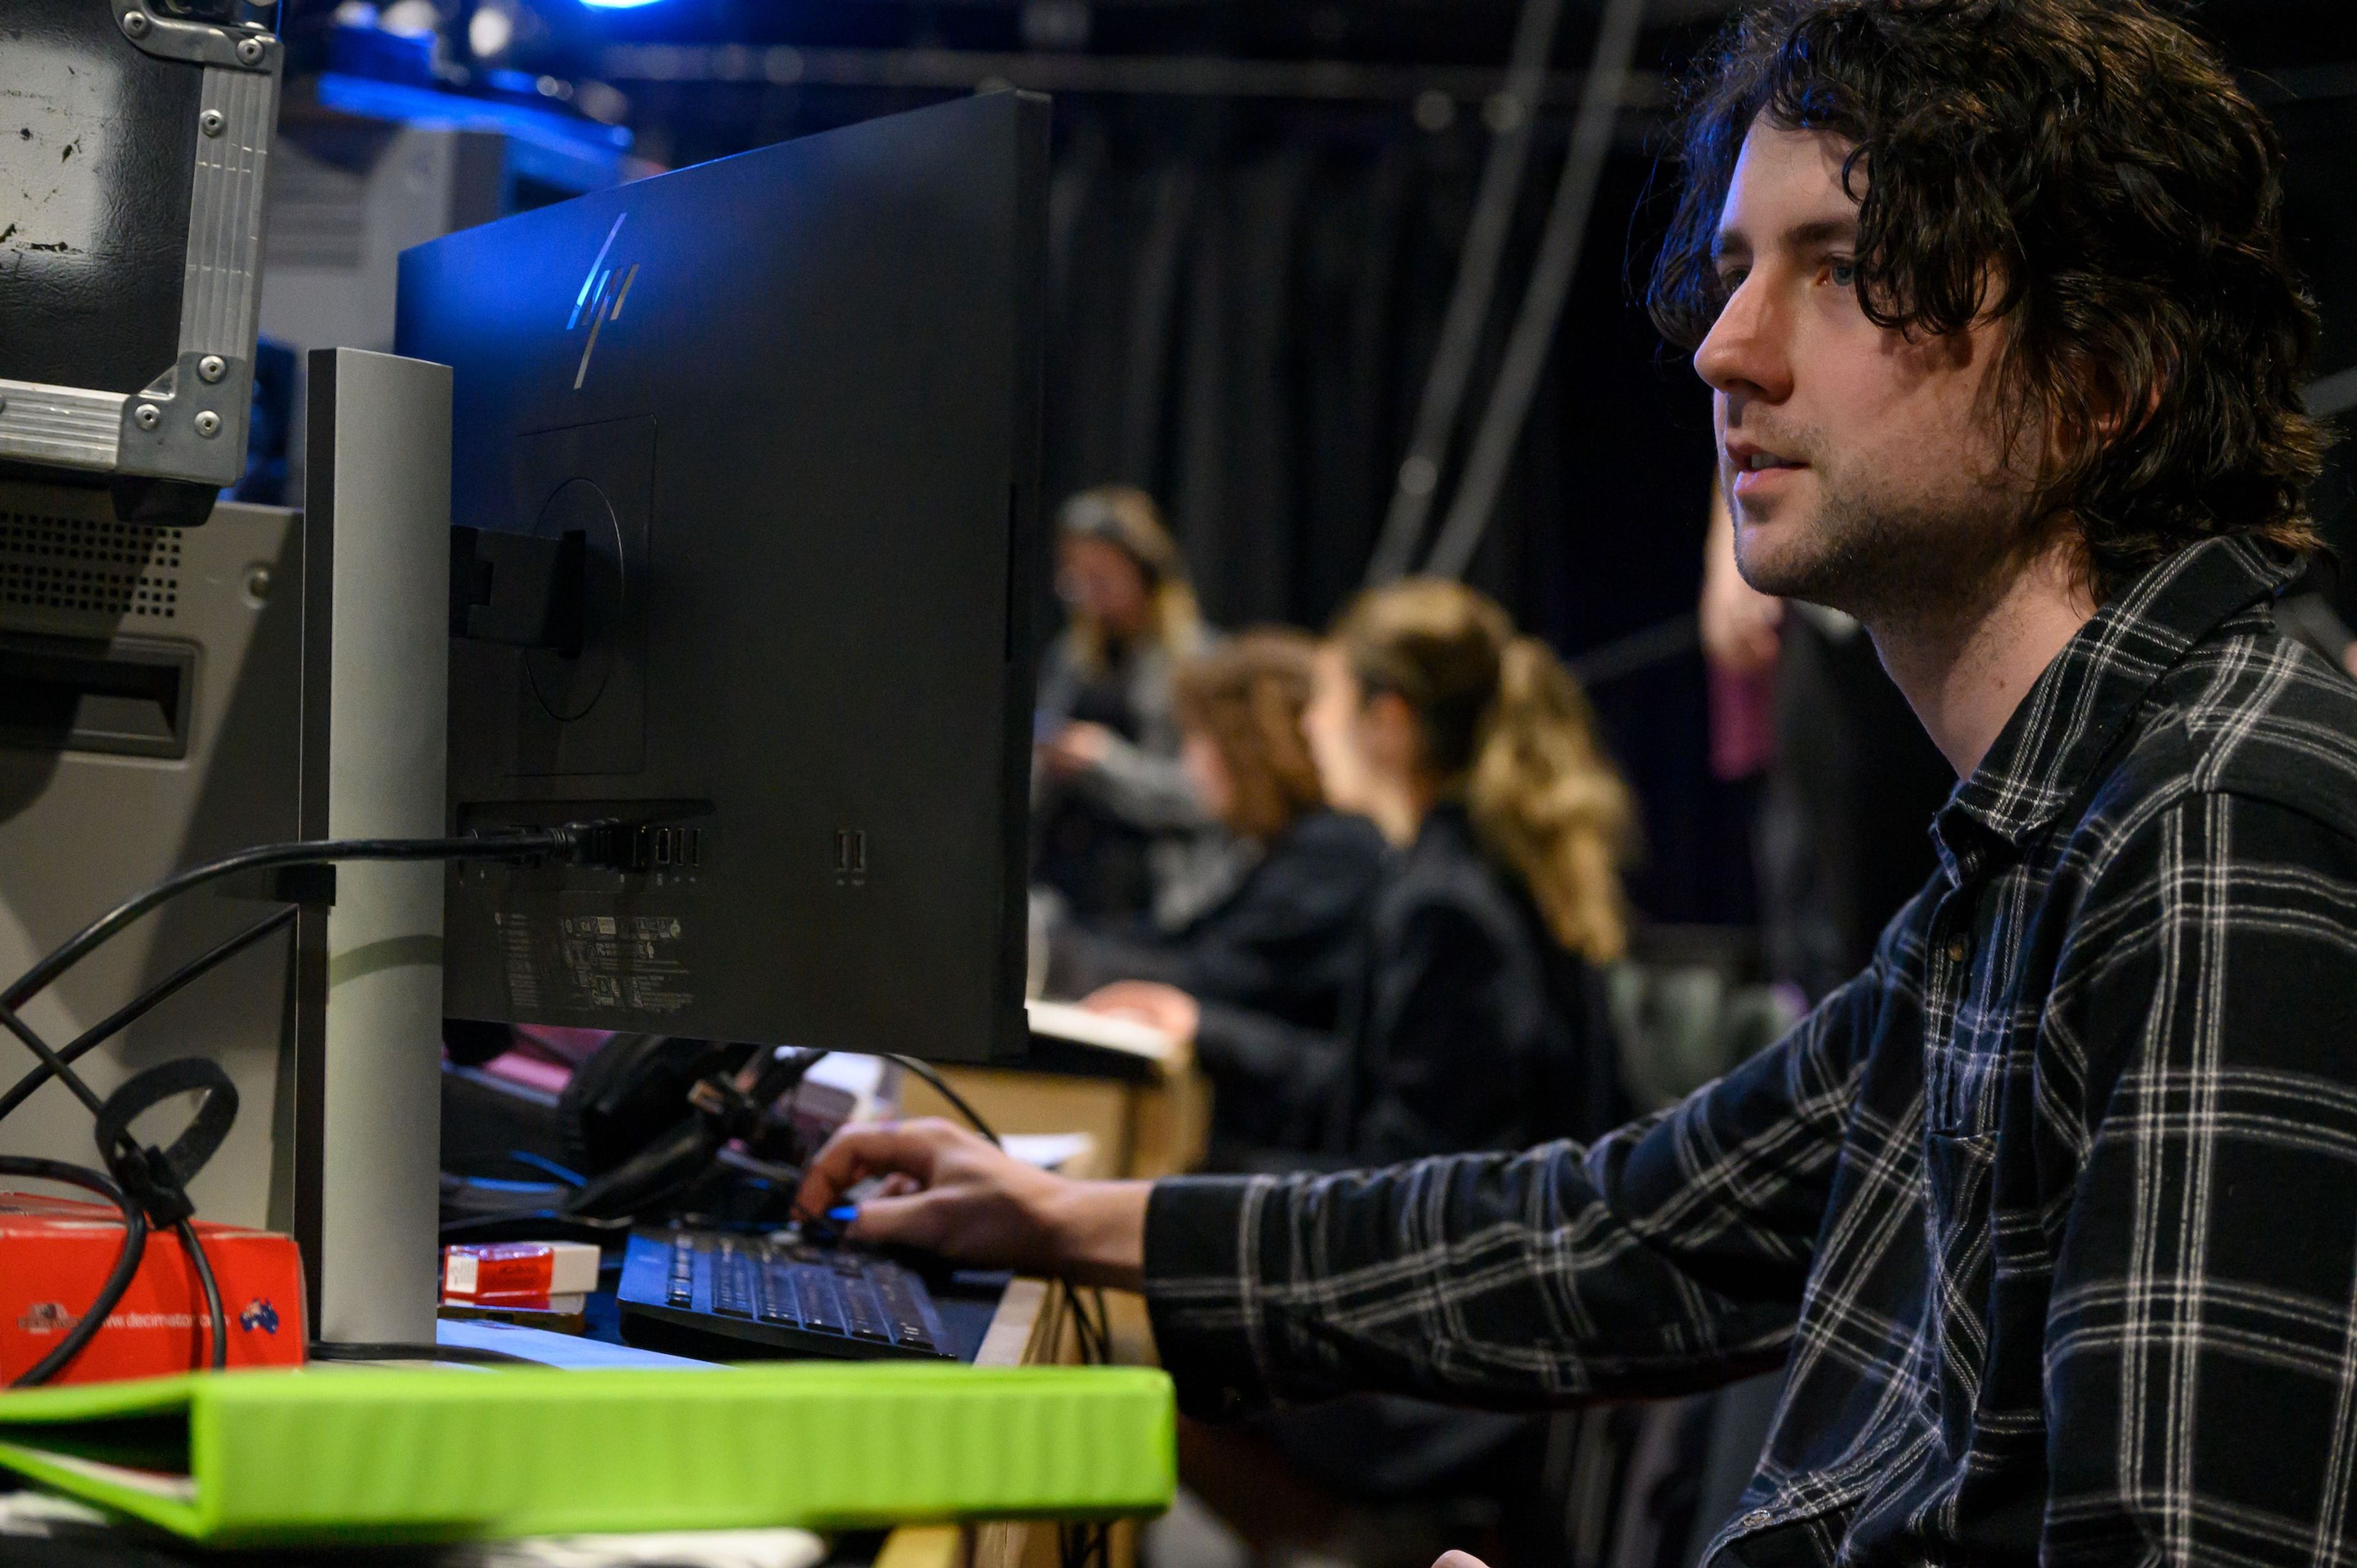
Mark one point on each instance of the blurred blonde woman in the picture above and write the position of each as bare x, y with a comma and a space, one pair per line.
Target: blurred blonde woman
1119, 828
1478, 1021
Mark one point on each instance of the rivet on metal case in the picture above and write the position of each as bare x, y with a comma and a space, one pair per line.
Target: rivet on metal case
250, 50
137, 24
212, 368
212, 122
209, 425
147, 416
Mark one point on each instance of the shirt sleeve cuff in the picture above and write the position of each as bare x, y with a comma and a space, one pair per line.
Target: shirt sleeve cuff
1215, 1033
1197, 1293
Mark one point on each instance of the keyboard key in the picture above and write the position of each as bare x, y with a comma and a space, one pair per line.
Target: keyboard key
778, 1295
864, 1311
820, 1307
900, 1302
732, 1284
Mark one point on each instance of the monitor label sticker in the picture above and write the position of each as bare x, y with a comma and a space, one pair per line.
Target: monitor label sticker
588, 960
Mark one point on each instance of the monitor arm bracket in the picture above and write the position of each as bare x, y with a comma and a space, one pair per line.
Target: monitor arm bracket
519, 590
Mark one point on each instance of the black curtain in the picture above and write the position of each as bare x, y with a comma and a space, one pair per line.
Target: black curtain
1246, 299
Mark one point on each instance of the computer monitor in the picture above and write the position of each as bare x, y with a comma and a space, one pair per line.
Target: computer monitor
789, 402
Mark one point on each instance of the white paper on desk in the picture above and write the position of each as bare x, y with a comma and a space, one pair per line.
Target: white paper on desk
678, 1548
1048, 1151
40, 1516
1066, 1021
569, 1351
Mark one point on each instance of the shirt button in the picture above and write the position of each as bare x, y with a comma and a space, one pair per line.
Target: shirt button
1754, 1519
1959, 951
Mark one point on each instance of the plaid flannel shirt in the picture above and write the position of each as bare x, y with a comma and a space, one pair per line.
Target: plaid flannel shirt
2051, 1214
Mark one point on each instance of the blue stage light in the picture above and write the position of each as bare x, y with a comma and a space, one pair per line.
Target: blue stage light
618, 5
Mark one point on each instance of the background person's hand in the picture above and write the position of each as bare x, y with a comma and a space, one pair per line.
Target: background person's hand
1078, 748
946, 1191
1739, 623
1166, 1008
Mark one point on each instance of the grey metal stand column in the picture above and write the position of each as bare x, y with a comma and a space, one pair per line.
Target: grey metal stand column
369, 972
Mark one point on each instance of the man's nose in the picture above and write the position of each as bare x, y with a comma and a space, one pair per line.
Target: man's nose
1744, 355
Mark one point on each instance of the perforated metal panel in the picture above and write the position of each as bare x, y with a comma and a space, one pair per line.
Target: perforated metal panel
81, 565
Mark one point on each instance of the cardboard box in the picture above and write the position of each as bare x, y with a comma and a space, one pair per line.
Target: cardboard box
542, 1275
55, 1256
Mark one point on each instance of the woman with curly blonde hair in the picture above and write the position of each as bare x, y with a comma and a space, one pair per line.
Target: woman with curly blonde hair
1478, 1020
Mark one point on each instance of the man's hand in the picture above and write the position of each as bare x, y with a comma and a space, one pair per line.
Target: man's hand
1166, 1008
949, 1192
1459, 1560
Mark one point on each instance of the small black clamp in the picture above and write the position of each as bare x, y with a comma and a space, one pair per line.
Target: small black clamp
157, 1179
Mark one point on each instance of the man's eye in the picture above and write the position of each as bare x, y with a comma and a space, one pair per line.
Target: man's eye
1842, 272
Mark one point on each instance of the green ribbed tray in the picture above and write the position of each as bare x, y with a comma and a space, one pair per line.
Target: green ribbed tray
259, 1457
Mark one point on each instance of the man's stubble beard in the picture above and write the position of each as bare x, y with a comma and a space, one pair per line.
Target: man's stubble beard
1891, 559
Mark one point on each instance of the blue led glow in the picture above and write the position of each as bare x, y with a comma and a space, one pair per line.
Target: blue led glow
617, 4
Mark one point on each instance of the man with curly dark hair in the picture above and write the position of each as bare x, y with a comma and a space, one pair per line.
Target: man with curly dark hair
2050, 1215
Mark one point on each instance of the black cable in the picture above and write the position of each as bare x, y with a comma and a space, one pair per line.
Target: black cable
139, 1006
80, 945
1095, 1336
59, 1064
941, 1087
561, 1216
214, 1317
460, 1355
118, 1280
531, 1161
135, 1222
53, 1064
50, 1062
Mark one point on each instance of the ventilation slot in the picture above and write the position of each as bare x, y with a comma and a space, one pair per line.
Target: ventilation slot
72, 564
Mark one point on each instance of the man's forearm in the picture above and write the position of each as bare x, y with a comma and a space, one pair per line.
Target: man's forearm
1098, 1230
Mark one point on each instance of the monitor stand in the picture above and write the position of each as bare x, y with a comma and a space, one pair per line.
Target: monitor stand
368, 986
268, 675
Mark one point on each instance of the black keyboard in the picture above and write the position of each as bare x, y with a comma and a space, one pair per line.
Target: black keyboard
778, 1294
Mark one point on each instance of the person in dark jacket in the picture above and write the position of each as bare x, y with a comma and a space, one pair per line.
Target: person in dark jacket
1117, 830
1475, 1021
1286, 940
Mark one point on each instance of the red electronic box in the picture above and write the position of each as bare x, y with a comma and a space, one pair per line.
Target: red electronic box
55, 1256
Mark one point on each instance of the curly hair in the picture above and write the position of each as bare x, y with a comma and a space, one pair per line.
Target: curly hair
1245, 695
2085, 169
1506, 729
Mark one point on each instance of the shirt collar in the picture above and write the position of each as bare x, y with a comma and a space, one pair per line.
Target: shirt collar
2067, 724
